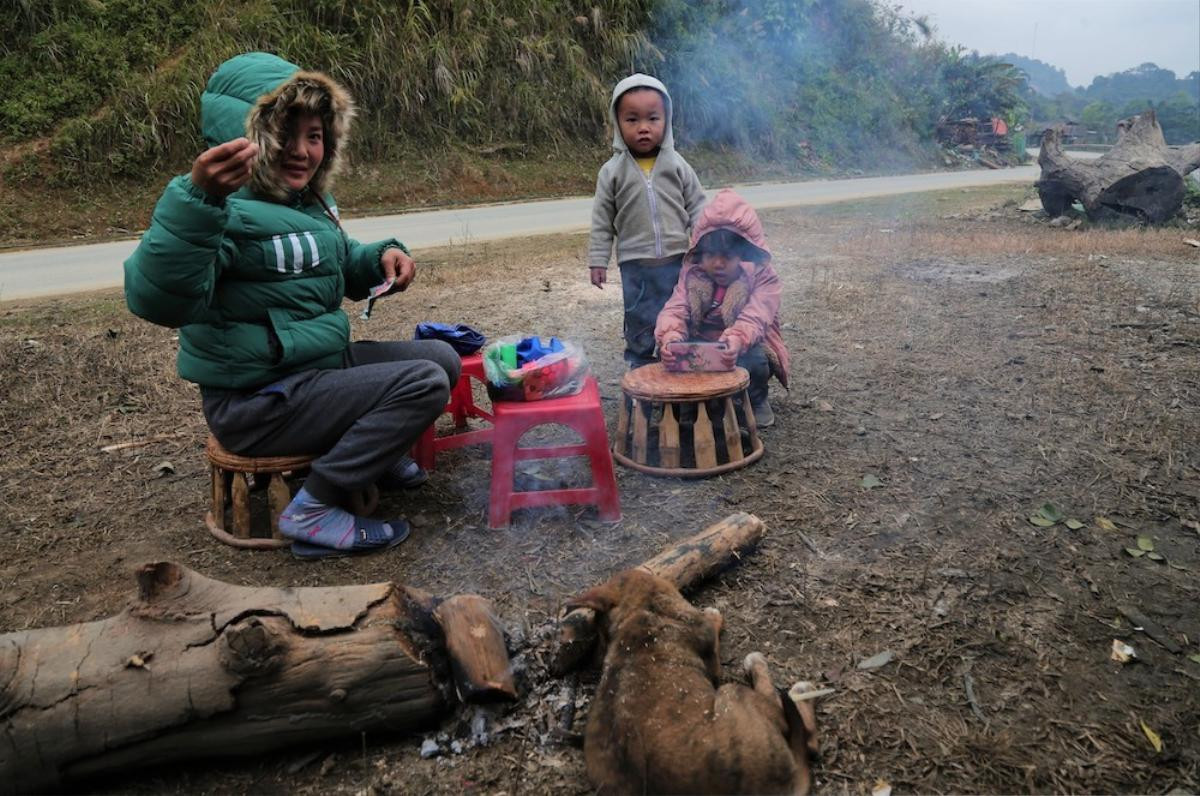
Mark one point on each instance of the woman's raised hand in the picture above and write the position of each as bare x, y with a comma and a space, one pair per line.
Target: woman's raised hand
223, 169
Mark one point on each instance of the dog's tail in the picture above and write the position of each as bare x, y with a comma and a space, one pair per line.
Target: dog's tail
801, 721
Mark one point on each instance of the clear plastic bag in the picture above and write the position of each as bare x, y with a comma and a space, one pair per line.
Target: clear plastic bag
523, 368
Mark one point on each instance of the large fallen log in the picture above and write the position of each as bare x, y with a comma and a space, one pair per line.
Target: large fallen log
685, 564
1140, 179
196, 668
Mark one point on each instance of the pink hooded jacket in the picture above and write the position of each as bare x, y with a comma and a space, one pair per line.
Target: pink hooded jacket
758, 320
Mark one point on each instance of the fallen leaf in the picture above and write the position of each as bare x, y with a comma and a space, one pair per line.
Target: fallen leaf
1145, 543
1136, 553
164, 468
1153, 737
1051, 512
881, 788
1105, 524
1194, 658
1074, 524
1192, 242
870, 482
875, 661
1122, 652
1040, 521
1155, 556
825, 406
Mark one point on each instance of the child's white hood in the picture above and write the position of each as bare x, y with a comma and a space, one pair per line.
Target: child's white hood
640, 80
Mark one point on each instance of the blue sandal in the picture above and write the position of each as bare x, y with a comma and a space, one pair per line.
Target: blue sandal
370, 536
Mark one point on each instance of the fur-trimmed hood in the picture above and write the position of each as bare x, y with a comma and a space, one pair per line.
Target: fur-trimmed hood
728, 210
251, 95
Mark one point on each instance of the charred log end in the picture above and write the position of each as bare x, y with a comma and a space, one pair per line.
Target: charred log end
475, 643
1149, 196
160, 579
577, 635
252, 648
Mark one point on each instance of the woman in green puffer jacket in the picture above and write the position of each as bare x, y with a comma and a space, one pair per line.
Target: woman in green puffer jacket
246, 257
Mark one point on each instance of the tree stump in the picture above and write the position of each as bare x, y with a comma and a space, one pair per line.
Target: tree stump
1140, 179
197, 668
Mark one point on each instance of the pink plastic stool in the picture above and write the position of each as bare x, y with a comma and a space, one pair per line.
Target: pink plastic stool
461, 406
581, 412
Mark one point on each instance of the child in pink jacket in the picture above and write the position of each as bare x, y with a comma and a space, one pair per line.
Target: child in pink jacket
728, 292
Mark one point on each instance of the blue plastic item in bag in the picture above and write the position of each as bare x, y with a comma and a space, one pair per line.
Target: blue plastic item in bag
530, 349
462, 338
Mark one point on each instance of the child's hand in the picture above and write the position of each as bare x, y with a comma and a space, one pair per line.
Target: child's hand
223, 169
664, 347
731, 352
599, 276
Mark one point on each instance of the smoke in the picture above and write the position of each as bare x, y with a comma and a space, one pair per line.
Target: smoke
818, 83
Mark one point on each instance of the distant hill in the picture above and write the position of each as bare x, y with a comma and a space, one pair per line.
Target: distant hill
1145, 83
1046, 79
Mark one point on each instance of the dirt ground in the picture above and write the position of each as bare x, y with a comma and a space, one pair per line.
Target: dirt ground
957, 365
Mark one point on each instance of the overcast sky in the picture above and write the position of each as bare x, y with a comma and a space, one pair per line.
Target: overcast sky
1084, 37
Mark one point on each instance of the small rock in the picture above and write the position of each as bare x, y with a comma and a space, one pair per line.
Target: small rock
860, 431
430, 748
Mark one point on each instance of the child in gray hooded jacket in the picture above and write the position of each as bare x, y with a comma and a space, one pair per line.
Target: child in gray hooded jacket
647, 197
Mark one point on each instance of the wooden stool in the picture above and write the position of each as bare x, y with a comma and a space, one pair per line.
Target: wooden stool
229, 477
691, 405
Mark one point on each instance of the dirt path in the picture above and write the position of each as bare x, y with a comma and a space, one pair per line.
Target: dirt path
975, 367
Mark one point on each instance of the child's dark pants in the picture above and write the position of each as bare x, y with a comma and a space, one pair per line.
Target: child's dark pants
754, 360
364, 416
645, 287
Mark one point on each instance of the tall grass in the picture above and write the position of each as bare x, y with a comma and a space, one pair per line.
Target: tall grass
423, 73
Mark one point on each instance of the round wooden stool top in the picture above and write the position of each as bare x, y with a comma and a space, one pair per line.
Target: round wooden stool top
654, 382
653, 386
252, 464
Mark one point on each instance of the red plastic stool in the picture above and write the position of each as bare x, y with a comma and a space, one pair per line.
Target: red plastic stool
581, 412
461, 406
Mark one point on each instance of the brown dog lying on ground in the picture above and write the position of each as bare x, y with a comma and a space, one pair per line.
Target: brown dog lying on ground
660, 724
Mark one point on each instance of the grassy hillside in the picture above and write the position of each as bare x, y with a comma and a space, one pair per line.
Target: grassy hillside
104, 93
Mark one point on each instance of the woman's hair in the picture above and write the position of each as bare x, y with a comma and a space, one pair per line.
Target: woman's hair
726, 241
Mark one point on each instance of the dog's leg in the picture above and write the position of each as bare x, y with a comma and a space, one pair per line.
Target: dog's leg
760, 678
712, 658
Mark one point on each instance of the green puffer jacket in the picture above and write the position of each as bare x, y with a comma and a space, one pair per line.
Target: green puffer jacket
255, 283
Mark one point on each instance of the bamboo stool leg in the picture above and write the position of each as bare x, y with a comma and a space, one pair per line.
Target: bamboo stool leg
218, 496
668, 438
751, 424
622, 425
639, 433
278, 498
705, 442
241, 506
733, 439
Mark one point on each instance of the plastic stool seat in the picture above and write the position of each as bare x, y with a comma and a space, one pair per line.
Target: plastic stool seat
580, 412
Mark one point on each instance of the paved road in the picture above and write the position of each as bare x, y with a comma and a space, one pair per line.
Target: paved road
67, 269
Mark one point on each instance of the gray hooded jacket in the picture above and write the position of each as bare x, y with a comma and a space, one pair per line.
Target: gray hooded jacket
649, 217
